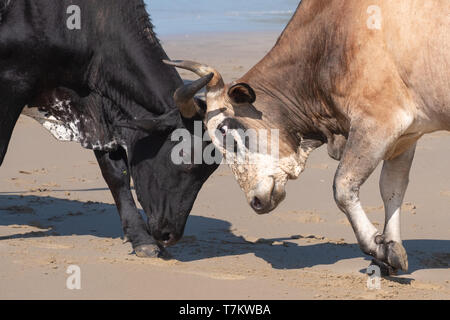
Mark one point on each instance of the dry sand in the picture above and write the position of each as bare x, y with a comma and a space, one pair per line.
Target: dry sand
56, 210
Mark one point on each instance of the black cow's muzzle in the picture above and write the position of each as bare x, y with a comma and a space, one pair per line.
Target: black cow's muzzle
166, 238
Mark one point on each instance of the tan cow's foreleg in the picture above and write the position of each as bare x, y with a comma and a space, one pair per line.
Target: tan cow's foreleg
365, 149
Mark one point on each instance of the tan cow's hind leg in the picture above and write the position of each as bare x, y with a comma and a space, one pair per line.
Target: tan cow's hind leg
365, 149
393, 184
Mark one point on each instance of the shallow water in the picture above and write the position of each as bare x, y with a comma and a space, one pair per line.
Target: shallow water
176, 17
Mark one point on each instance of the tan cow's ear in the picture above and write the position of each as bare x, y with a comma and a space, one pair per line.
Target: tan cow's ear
242, 93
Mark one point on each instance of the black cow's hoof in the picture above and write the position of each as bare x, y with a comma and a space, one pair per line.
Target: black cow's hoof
151, 251
147, 251
126, 239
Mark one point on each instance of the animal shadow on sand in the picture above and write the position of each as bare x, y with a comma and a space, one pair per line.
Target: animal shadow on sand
204, 237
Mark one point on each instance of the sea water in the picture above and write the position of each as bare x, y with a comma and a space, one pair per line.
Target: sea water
181, 17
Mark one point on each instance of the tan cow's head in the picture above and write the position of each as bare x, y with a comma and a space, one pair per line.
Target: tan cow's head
262, 157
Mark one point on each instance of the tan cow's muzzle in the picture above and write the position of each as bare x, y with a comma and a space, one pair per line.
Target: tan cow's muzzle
266, 195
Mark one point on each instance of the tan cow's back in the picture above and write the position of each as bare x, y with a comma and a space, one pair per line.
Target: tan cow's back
415, 36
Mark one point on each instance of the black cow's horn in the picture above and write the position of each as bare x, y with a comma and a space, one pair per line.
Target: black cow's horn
184, 97
202, 70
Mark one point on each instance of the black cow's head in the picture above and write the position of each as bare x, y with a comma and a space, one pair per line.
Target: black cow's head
165, 187
114, 65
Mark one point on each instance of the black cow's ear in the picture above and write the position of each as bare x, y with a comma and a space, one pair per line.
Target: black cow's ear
163, 123
201, 104
149, 125
242, 93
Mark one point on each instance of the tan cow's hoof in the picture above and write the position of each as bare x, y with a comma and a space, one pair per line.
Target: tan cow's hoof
385, 269
396, 256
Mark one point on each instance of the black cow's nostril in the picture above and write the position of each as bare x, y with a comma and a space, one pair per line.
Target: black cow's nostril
256, 204
166, 236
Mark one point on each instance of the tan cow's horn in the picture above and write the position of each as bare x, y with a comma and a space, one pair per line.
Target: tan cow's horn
202, 70
184, 97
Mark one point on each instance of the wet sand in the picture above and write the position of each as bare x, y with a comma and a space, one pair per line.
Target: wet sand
56, 211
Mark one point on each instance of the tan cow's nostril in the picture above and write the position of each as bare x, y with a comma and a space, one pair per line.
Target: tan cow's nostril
256, 204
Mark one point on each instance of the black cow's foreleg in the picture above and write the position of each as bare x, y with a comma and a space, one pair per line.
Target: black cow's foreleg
8, 119
114, 167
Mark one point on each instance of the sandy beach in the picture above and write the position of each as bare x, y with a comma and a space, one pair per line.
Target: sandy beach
56, 211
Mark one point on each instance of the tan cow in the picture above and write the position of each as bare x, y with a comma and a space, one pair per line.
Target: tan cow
369, 78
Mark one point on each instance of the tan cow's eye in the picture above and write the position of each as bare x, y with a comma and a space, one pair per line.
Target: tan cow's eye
223, 130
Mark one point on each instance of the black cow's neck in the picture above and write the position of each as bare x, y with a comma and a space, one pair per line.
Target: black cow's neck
291, 81
115, 54
127, 66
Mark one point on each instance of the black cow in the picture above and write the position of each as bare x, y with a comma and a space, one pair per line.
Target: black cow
95, 83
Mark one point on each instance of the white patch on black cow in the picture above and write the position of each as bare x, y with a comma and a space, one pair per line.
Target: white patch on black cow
67, 124
62, 131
